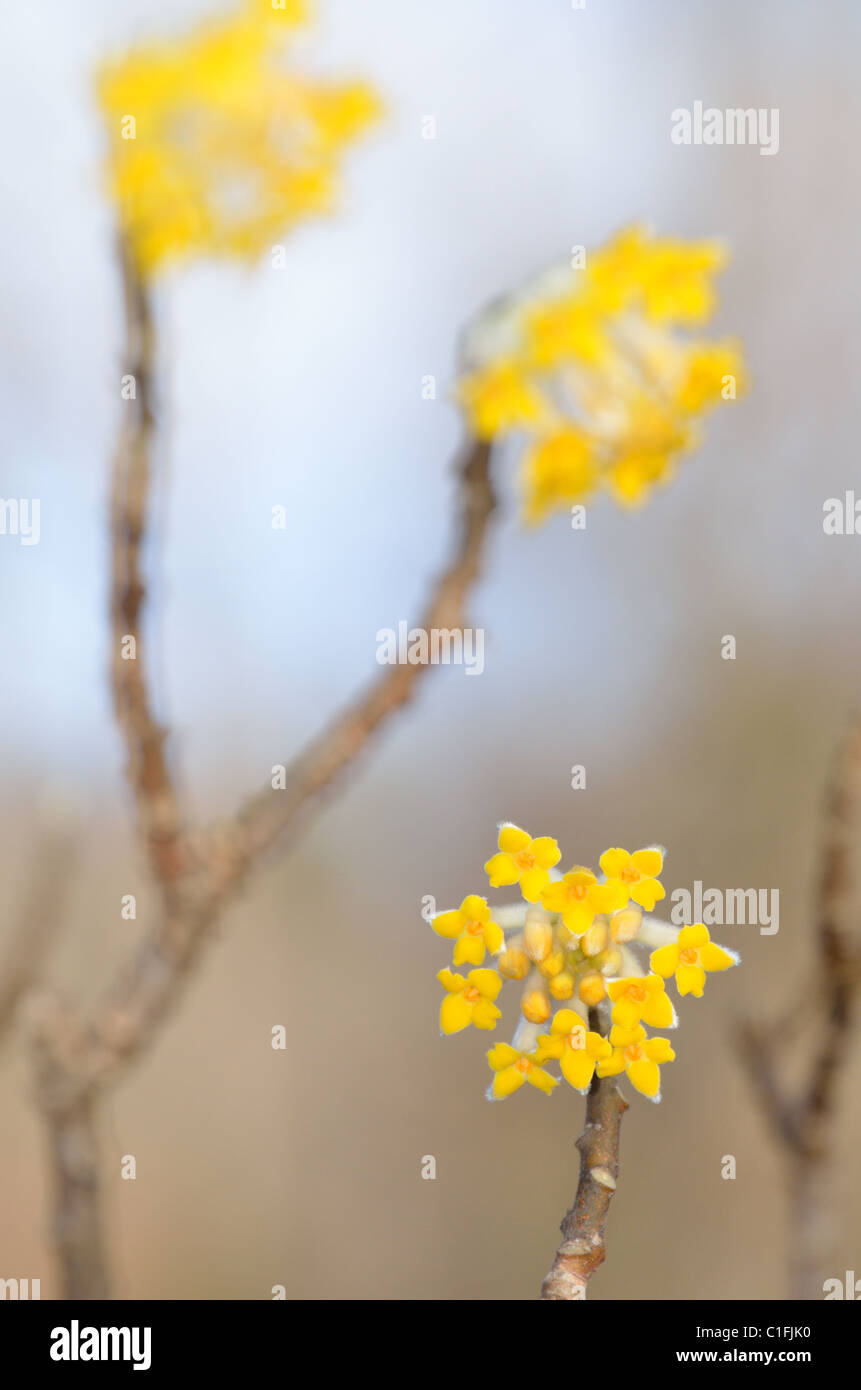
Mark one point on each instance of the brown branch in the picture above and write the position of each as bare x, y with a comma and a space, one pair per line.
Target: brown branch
69, 1112
582, 1249
198, 874
37, 925
804, 1122
147, 765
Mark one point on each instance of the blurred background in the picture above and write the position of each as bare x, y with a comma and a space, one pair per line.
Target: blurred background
302, 387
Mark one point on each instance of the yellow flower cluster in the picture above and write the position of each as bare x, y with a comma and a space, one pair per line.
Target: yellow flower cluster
592, 365
216, 149
570, 942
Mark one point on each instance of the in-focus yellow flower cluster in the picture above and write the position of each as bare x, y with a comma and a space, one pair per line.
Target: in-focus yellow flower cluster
592, 364
572, 942
215, 148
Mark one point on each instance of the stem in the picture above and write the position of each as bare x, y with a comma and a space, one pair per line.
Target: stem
582, 1249
77, 1202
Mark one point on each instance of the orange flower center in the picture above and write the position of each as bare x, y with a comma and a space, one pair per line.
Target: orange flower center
523, 1064
629, 874
634, 1052
474, 928
688, 955
578, 891
525, 860
470, 994
638, 993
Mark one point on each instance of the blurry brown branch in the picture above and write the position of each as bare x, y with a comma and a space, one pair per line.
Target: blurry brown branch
804, 1120
147, 764
582, 1249
34, 931
197, 872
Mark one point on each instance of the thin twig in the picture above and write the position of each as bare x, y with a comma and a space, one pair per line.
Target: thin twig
147, 764
199, 873
804, 1121
582, 1249
37, 925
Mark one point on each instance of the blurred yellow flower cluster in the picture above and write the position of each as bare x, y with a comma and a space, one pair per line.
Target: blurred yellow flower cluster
216, 148
593, 365
571, 942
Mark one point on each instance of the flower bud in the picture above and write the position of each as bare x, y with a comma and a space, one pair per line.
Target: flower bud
625, 925
536, 1005
610, 962
592, 988
562, 986
513, 964
552, 964
595, 938
537, 935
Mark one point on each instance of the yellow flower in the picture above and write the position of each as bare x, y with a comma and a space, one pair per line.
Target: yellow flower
615, 272
579, 897
633, 476
690, 958
639, 1056
522, 860
636, 873
499, 398
570, 328
472, 930
641, 998
706, 367
559, 471
677, 280
469, 1001
216, 149
591, 362
575, 1047
512, 1068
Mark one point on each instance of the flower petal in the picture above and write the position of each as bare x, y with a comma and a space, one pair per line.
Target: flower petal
613, 861
487, 982
475, 909
645, 1077
714, 957
494, 937
450, 981
546, 852
512, 838
665, 960
577, 1067
690, 979
468, 950
695, 936
501, 870
532, 882
542, 1080
455, 1014
659, 1050
502, 1055
658, 1011
506, 1082
448, 924
648, 892
648, 862
485, 1014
